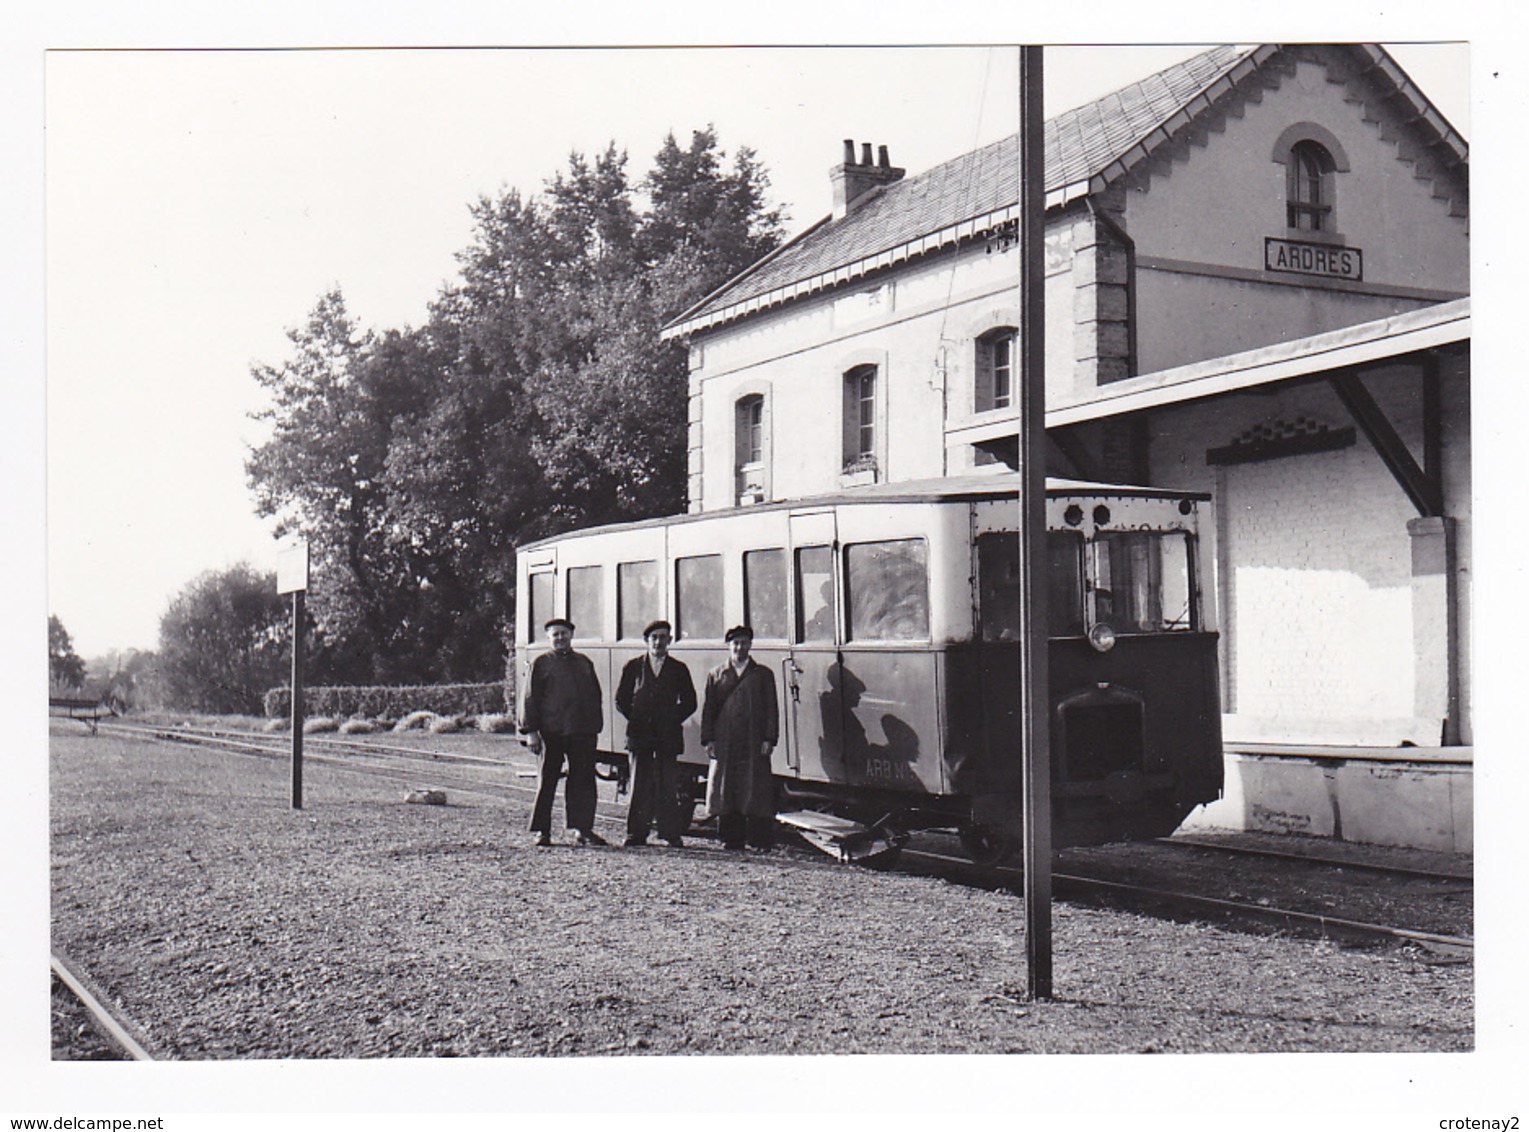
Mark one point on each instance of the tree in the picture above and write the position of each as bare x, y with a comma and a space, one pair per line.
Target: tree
719, 218
65, 668
224, 642
126, 678
537, 397
610, 403
335, 407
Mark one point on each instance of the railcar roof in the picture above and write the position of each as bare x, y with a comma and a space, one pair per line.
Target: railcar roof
1001, 485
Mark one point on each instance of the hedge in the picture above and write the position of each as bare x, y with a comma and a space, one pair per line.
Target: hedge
372, 702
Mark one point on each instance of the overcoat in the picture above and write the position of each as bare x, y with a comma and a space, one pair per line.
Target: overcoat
740, 714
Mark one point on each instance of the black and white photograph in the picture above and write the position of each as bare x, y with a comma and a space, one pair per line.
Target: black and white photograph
637, 568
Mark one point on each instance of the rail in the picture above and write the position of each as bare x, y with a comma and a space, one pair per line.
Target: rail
114, 1028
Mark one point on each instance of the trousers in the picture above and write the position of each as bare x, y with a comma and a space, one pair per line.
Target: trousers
656, 781
579, 795
735, 828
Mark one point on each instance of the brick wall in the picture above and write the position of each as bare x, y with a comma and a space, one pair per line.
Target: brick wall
1315, 564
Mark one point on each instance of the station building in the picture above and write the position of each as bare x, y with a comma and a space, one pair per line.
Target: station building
1257, 285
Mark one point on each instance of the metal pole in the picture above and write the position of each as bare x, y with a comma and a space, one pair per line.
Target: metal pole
1035, 739
297, 699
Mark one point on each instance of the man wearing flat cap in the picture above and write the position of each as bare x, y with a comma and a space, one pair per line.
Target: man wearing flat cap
740, 725
656, 695
561, 718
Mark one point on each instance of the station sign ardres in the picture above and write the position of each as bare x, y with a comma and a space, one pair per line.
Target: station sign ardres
1331, 261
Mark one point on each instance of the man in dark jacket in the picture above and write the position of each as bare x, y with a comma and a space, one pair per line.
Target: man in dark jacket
561, 717
656, 695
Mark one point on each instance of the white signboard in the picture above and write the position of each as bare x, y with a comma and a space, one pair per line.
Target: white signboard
292, 567
1301, 258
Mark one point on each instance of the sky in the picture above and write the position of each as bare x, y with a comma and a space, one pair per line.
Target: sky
199, 202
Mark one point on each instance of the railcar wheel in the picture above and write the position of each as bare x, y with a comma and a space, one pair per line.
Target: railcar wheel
984, 846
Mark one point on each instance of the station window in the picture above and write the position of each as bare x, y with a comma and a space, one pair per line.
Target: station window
995, 370
1309, 188
764, 593
586, 601
637, 598
860, 394
698, 597
814, 594
887, 586
749, 445
998, 585
539, 604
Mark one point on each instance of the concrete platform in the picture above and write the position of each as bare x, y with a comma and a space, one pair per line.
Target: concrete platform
1405, 797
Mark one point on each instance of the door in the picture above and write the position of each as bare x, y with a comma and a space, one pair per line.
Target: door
810, 669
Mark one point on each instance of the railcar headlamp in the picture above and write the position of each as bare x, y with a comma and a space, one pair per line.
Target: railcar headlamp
1102, 637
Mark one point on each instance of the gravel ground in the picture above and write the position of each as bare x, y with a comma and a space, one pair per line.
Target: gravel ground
229, 926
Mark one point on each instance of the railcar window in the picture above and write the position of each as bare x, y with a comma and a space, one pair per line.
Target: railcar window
637, 598
698, 597
1064, 583
586, 601
539, 609
764, 592
998, 585
887, 590
814, 594
1142, 581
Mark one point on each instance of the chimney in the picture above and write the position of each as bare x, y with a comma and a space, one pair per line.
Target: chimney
853, 180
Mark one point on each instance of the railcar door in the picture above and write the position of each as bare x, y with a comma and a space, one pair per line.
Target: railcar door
813, 724
536, 599
886, 681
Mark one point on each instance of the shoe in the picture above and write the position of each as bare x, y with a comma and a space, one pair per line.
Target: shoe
634, 843
674, 842
736, 846
543, 840
589, 837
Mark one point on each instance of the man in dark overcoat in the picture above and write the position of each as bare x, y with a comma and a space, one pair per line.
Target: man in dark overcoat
656, 695
740, 725
561, 717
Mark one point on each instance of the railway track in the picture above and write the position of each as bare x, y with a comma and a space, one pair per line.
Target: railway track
403, 763
1192, 843
1086, 889
114, 1028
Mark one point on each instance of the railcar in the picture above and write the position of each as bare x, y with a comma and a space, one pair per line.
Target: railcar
889, 617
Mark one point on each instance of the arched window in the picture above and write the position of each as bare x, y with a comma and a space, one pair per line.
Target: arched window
1309, 188
995, 370
860, 395
750, 469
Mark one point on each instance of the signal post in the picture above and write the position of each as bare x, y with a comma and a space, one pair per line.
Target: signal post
1035, 731
292, 578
